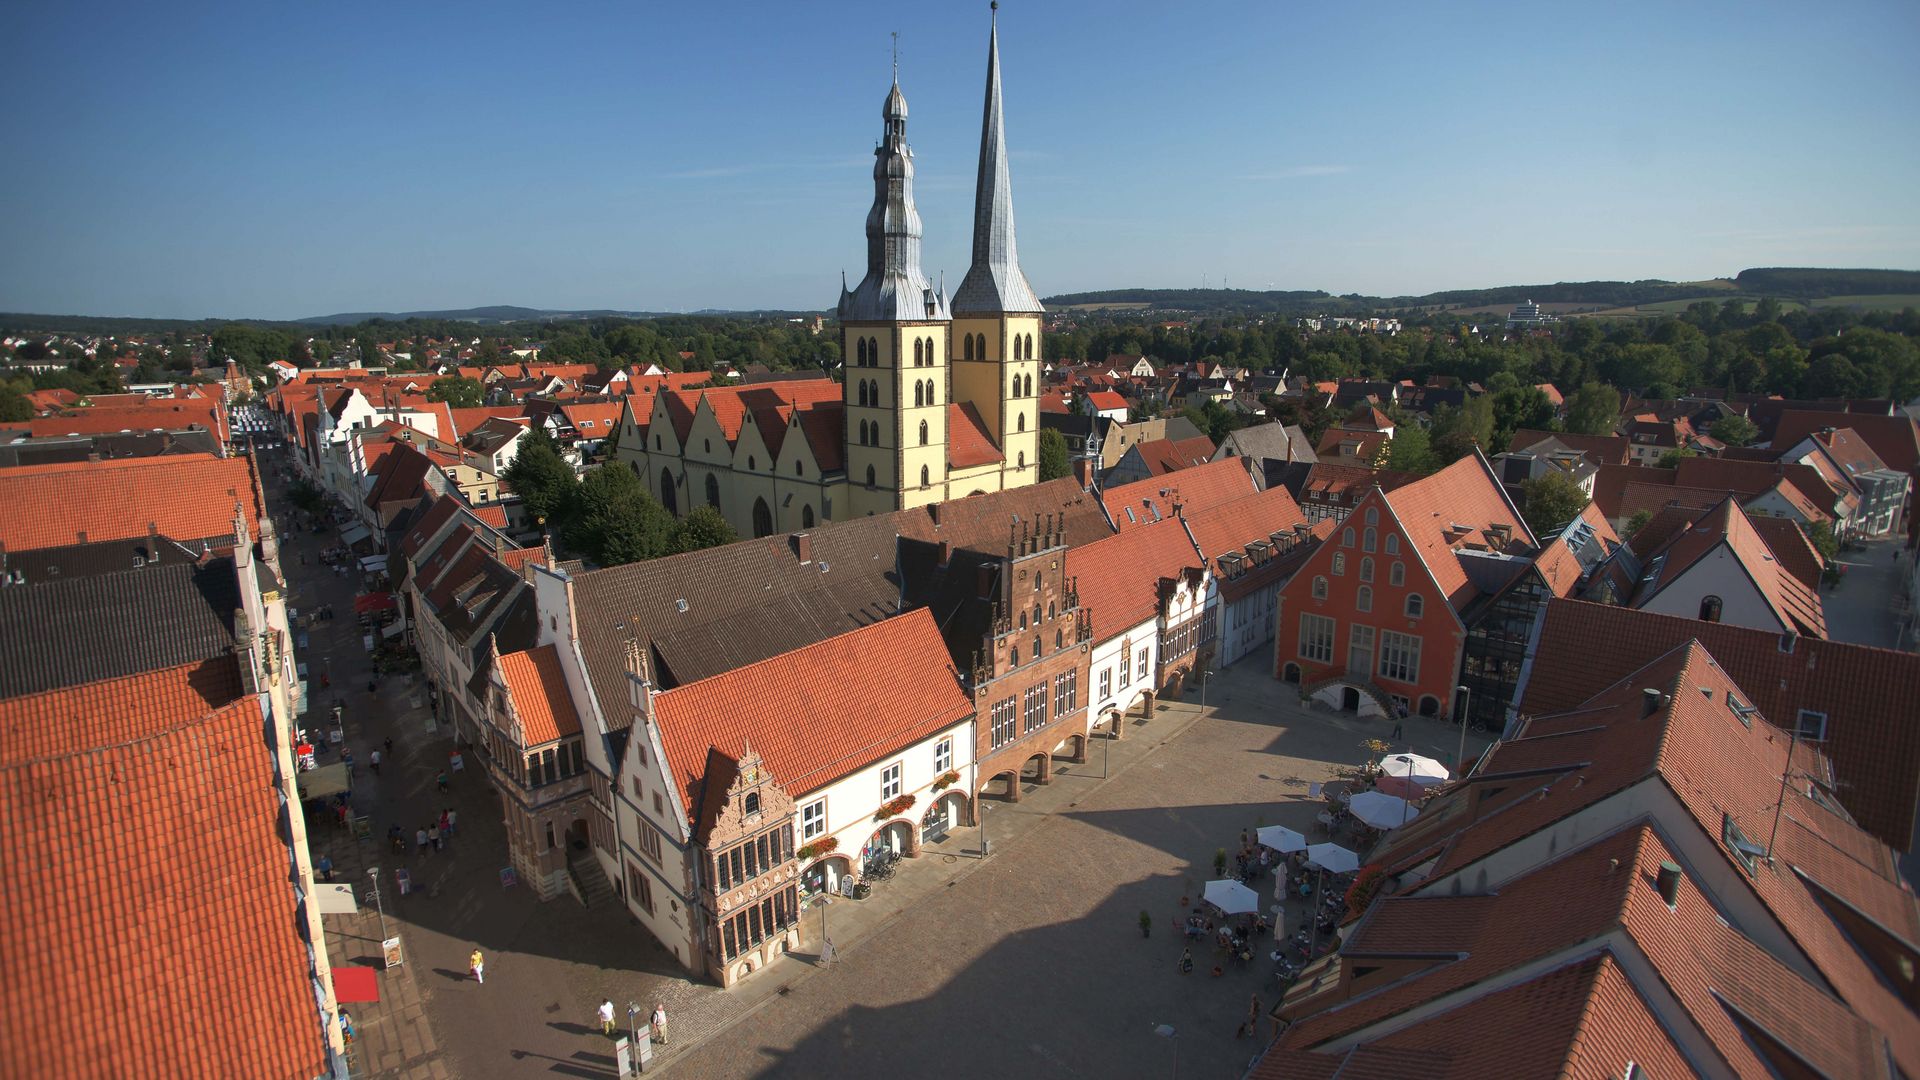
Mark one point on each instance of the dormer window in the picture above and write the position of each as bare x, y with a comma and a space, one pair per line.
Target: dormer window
751, 804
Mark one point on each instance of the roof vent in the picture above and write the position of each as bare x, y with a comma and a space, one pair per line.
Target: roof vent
680, 606
1649, 701
1668, 882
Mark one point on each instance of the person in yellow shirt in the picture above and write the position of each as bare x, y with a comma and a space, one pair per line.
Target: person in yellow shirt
478, 965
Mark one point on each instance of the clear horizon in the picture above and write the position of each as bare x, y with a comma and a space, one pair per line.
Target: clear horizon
257, 162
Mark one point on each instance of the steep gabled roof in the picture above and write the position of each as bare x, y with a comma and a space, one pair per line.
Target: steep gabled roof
819, 712
1162, 456
539, 694
75, 630
1727, 525
1895, 439
1118, 577
1465, 494
968, 442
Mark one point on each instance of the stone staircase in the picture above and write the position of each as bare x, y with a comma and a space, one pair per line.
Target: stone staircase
586, 881
1366, 687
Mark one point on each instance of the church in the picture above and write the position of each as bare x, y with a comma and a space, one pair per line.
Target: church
938, 399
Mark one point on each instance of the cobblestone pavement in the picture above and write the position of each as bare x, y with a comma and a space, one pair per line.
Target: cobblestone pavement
1032, 962
1860, 608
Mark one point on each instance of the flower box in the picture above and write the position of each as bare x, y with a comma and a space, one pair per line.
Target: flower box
819, 847
894, 808
947, 780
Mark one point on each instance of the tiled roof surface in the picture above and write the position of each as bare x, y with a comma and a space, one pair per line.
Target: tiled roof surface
968, 442
1275, 440
1102, 400
602, 417
208, 413
820, 712
1199, 488
539, 693
1750, 479
493, 514
110, 711
188, 497
1850, 451
77, 630
1896, 438
148, 891
1465, 492
825, 427
1162, 456
1118, 576
1791, 547
1871, 737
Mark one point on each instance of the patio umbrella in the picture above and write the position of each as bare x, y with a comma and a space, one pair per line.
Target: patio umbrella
1282, 839
1333, 858
1381, 810
1231, 897
1421, 770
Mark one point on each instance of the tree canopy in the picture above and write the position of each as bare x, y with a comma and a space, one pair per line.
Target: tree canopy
1549, 502
1054, 462
460, 391
542, 478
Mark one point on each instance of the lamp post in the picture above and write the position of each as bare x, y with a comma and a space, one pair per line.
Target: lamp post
1460, 757
1204, 676
983, 822
373, 872
1166, 1031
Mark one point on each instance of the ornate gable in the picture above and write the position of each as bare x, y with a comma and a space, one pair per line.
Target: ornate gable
740, 799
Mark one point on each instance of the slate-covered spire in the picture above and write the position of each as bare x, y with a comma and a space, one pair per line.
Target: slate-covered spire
895, 287
994, 283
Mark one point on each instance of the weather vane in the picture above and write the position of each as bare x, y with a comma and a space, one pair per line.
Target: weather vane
896, 56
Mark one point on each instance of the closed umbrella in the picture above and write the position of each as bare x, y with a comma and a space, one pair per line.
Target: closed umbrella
1333, 858
1282, 839
1382, 811
1231, 897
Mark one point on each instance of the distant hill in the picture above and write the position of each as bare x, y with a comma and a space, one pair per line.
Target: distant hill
1784, 283
498, 313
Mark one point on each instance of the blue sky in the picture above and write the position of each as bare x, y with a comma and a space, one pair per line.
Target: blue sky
281, 160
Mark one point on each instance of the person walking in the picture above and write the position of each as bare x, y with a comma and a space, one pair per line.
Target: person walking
420, 840
453, 818
373, 762
433, 835
1186, 961
1253, 1018
389, 745
660, 1023
441, 780
606, 1018
477, 965
325, 866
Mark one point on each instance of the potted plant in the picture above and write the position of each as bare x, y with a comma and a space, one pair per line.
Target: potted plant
947, 780
1146, 925
1219, 862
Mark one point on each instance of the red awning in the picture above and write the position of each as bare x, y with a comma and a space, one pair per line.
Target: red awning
352, 983
369, 603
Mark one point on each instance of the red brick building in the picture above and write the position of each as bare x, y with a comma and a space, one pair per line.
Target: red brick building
1373, 621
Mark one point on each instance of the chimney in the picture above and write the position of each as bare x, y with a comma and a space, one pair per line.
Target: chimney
933, 509
1650, 700
1083, 472
1668, 882
802, 544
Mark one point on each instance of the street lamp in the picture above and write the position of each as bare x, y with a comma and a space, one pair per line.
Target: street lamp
983, 822
373, 872
1460, 757
1166, 1031
1204, 675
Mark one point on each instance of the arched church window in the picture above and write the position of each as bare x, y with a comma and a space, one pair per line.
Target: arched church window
869, 476
926, 478
1023, 620
918, 349
1023, 459
982, 339
1709, 609
713, 491
860, 353
1023, 421
806, 517
873, 352
919, 393
966, 348
923, 433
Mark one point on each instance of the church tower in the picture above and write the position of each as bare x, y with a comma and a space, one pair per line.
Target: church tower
894, 333
996, 316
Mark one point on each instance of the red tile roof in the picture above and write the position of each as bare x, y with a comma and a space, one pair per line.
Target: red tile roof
1163, 456
145, 879
539, 694
105, 712
155, 413
187, 497
819, 712
825, 428
1197, 489
1727, 526
1599, 449
1118, 577
968, 442
465, 420
1874, 745
1896, 438
1791, 547
493, 514
1465, 493
1102, 400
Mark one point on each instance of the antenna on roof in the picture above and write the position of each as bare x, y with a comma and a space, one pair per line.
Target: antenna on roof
1780, 807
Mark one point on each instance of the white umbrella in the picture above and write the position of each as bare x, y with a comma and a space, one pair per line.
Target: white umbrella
1421, 770
1333, 858
1381, 810
1232, 897
1282, 839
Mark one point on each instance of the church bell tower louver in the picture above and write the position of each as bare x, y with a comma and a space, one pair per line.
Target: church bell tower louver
996, 315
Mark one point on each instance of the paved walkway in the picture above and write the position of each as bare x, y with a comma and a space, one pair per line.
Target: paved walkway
1860, 608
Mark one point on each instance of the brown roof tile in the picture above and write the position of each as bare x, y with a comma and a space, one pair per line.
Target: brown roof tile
538, 690
968, 441
1199, 488
187, 497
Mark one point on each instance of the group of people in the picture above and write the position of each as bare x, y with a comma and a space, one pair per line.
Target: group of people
1253, 860
428, 838
657, 1022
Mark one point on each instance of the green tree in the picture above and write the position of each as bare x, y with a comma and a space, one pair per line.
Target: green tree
1411, 450
1516, 408
704, 528
1734, 430
1823, 541
15, 406
460, 392
1550, 501
1456, 432
614, 520
1672, 458
1054, 462
1593, 409
542, 479
1637, 522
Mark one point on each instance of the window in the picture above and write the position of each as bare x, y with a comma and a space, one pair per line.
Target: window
1710, 609
639, 794
1367, 539
1393, 544
926, 478
943, 756
649, 841
1033, 708
1316, 638
659, 808
1066, 693
1319, 588
869, 476
890, 782
923, 433
1415, 606
813, 819
1397, 573
1143, 662
1036, 646
1363, 600
1744, 851
1126, 665
1366, 569
1399, 657
1373, 515
1346, 538
1813, 725
1002, 728
1339, 564
1106, 683
640, 888
751, 804
806, 517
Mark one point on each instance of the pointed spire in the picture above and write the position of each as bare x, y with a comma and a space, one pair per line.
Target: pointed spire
895, 288
994, 283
